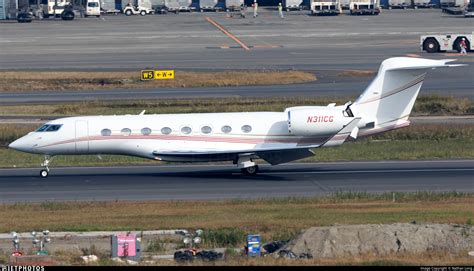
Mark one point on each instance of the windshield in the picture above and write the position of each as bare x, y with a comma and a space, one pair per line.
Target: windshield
92, 4
49, 128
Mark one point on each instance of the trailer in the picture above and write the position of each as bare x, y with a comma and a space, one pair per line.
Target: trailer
109, 7
233, 5
451, 3
469, 10
326, 7
179, 5
345, 4
210, 5
292, 5
404, 4
364, 7
422, 4
445, 42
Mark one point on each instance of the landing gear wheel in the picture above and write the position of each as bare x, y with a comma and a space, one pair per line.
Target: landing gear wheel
250, 170
44, 173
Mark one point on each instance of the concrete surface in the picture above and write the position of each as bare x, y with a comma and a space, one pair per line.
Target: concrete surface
203, 182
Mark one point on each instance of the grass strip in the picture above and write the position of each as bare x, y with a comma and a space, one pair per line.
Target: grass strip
72, 81
425, 105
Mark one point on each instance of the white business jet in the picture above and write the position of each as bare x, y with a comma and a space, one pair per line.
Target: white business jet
276, 137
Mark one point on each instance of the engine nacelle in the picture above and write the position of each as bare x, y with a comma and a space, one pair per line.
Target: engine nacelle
316, 120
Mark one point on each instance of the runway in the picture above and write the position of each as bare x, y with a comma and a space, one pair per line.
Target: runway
206, 182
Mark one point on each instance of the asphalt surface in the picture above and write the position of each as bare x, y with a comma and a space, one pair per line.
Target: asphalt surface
189, 42
204, 182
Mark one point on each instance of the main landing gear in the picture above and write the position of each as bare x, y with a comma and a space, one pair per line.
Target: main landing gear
247, 166
45, 172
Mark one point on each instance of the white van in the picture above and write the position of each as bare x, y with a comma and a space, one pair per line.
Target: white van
92, 8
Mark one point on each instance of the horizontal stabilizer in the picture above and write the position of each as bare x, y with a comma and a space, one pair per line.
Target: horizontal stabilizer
342, 135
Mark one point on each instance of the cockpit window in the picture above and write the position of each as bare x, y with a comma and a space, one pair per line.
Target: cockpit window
49, 128
53, 128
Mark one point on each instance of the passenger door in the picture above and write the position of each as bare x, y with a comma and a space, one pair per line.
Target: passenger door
82, 136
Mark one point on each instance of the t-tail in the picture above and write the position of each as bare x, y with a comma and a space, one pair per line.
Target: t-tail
387, 102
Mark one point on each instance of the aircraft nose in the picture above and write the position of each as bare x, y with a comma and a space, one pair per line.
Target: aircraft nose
18, 145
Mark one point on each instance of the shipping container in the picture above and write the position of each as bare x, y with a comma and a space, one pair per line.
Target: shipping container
233, 5
399, 4
292, 4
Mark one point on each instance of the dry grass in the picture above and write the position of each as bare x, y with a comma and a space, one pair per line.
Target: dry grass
268, 217
425, 105
60, 81
357, 73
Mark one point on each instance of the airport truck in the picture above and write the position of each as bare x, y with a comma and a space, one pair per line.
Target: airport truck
233, 5
345, 4
445, 42
469, 9
53, 7
364, 7
326, 7
292, 5
399, 4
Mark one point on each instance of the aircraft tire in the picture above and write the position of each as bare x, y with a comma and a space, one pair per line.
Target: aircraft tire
44, 173
253, 170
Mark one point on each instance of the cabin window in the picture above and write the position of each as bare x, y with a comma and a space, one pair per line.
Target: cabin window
126, 132
166, 130
186, 130
246, 128
206, 129
105, 132
146, 131
226, 129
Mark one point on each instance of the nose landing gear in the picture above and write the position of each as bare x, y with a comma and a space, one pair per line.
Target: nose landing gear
45, 172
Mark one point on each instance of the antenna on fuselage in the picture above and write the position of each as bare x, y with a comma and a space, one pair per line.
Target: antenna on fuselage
142, 113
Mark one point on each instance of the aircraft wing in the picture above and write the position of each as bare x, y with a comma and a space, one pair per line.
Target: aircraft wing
273, 155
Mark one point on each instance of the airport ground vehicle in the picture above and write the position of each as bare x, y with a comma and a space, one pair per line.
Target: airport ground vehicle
292, 5
326, 7
135, 10
210, 5
364, 7
451, 3
399, 4
25, 16
422, 4
233, 5
68, 12
92, 8
241, 137
446, 42
469, 10
53, 7
179, 5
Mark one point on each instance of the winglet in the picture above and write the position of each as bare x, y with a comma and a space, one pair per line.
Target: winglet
142, 113
343, 134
